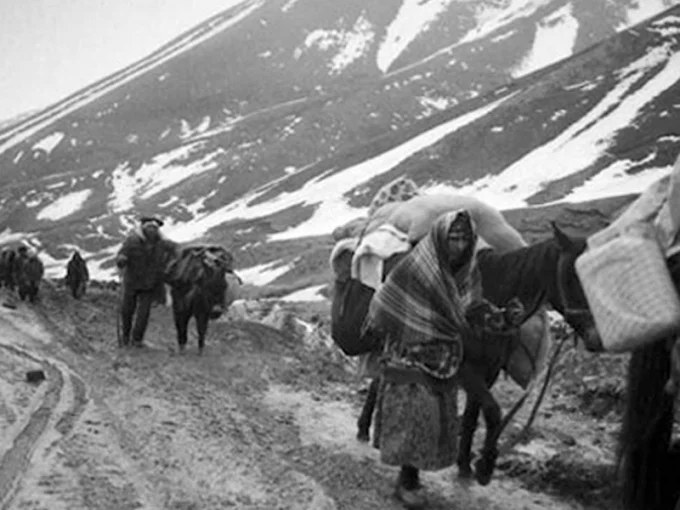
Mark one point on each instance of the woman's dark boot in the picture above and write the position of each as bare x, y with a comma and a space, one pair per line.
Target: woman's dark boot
409, 491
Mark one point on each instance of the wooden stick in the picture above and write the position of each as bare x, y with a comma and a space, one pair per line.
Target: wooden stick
507, 447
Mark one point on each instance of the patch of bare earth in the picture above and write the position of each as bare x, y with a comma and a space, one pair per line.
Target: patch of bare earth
265, 419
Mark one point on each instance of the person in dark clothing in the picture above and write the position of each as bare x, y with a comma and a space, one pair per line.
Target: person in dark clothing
28, 273
77, 275
19, 263
142, 259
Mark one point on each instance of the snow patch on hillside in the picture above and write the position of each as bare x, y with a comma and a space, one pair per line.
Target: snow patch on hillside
585, 141
351, 45
49, 142
262, 274
614, 180
492, 18
65, 206
307, 294
641, 10
326, 192
123, 184
554, 40
413, 18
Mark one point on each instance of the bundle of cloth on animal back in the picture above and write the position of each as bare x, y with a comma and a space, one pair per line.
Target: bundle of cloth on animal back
393, 228
195, 263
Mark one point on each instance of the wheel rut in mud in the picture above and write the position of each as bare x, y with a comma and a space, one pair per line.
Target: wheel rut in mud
53, 417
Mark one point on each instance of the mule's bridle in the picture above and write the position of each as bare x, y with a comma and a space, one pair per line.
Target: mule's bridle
580, 319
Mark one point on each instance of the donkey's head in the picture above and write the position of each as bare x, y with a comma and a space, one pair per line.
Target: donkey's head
569, 298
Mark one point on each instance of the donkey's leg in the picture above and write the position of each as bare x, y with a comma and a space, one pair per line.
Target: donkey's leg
468, 427
474, 383
201, 327
180, 314
364, 422
485, 466
35, 290
182, 326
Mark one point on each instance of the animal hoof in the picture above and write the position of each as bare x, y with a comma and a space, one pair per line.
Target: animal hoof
464, 471
363, 436
484, 468
411, 498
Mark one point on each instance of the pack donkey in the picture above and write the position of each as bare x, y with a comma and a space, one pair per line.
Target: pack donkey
535, 275
199, 278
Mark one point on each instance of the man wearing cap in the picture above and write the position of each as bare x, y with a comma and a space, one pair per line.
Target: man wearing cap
142, 259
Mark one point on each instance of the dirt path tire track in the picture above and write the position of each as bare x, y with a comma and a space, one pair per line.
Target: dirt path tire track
16, 460
55, 415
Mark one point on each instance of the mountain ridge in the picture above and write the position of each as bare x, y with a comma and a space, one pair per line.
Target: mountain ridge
263, 174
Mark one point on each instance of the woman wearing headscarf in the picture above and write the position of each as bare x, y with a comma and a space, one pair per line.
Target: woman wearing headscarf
420, 309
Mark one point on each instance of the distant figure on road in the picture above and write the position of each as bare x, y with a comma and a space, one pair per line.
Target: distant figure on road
7, 258
77, 275
28, 273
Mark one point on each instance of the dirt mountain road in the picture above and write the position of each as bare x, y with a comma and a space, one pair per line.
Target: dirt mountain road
260, 421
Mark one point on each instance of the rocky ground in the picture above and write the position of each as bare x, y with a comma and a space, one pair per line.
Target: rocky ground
265, 419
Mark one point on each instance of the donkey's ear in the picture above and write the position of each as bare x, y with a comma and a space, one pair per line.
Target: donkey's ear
563, 239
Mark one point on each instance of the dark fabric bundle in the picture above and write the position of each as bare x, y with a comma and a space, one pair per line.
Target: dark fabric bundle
194, 263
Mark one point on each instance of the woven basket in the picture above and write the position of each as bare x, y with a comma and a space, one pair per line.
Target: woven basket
629, 288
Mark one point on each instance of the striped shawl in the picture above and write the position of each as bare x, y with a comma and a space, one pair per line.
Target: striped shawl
422, 300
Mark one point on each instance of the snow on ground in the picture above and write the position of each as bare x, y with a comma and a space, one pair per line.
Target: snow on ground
64, 206
554, 40
437, 103
504, 36
56, 185
263, 274
166, 169
308, 294
124, 184
8, 236
289, 5
667, 26
49, 142
413, 18
162, 172
326, 191
186, 131
351, 44
585, 141
641, 10
490, 19
614, 180
53, 268
191, 39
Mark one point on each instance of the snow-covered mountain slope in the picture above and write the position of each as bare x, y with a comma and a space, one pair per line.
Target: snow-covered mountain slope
277, 121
